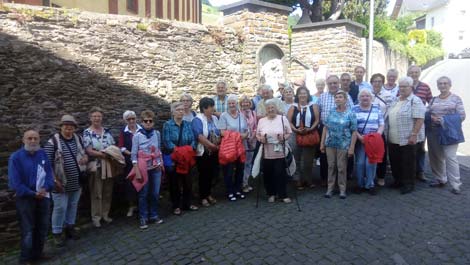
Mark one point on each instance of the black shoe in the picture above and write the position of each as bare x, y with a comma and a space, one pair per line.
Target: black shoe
373, 191
59, 240
72, 233
358, 190
327, 195
406, 190
420, 176
437, 184
396, 185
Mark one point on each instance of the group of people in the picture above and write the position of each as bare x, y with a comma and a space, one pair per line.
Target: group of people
352, 129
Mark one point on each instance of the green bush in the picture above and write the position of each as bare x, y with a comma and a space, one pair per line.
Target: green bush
434, 38
422, 53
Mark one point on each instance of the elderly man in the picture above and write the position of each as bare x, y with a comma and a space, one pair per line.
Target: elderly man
391, 85
220, 99
345, 82
30, 176
67, 152
359, 83
327, 103
267, 93
423, 91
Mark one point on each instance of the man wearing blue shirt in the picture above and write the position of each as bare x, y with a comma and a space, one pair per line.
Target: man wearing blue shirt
30, 176
358, 83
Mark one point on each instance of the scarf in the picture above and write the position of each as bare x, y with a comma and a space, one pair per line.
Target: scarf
304, 116
250, 120
147, 133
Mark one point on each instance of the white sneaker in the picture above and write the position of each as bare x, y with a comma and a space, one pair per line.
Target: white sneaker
96, 223
271, 199
107, 219
130, 212
381, 182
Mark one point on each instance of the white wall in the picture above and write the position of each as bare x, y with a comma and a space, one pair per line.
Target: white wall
452, 21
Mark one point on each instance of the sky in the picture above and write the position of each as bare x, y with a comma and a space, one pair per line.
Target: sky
226, 2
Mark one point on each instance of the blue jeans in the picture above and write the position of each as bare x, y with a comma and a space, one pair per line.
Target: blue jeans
233, 176
64, 212
365, 171
33, 215
149, 195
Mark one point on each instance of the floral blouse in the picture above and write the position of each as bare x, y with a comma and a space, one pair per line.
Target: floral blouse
90, 138
340, 125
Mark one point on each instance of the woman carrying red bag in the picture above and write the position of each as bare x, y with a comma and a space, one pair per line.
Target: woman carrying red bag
304, 118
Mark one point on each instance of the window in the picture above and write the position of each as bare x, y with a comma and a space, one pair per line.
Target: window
133, 6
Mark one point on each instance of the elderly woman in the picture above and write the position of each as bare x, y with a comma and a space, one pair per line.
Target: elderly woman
303, 119
320, 84
208, 137
405, 129
66, 145
443, 158
369, 120
288, 97
338, 141
147, 161
252, 122
273, 130
125, 143
95, 139
383, 98
233, 121
177, 132
189, 113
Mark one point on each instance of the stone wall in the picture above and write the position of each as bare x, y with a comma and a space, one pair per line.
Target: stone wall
338, 43
261, 24
55, 61
384, 59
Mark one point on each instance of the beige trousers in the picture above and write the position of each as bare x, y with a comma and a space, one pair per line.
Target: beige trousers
443, 160
337, 166
101, 195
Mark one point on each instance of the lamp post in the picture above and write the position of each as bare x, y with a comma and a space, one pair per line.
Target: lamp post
371, 39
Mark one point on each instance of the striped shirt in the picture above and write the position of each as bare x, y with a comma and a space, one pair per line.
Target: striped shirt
327, 102
423, 91
70, 167
375, 120
450, 105
220, 106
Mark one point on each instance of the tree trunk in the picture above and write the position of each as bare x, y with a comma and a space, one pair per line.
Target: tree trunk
317, 11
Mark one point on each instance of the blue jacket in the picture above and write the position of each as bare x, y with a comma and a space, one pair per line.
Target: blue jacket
23, 170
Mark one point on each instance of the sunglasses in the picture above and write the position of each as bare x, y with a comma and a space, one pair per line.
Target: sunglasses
147, 121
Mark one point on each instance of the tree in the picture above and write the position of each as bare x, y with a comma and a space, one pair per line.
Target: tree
318, 10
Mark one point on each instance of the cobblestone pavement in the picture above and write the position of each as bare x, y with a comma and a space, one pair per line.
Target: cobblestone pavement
429, 226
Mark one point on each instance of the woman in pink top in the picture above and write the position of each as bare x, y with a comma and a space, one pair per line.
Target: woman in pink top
273, 130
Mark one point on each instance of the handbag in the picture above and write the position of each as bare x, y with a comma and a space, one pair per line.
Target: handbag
288, 156
307, 140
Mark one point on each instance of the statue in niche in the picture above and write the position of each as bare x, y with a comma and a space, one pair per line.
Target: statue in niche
273, 73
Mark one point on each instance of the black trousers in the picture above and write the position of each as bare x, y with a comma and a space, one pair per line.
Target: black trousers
403, 163
180, 186
208, 167
275, 177
382, 167
323, 160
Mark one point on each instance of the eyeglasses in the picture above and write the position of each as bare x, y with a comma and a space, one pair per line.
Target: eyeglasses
147, 121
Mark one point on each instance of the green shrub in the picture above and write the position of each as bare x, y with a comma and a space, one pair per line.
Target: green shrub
423, 53
434, 38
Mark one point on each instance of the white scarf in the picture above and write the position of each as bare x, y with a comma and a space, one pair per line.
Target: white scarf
205, 131
308, 116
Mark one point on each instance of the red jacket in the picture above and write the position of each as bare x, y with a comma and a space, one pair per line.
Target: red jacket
374, 147
183, 156
231, 148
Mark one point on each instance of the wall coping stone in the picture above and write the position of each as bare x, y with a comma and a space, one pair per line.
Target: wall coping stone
255, 6
350, 25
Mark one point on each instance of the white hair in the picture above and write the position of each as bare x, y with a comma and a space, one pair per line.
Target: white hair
444, 77
393, 71
270, 101
406, 80
320, 81
268, 87
221, 82
232, 97
127, 114
174, 105
364, 91
186, 95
